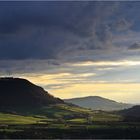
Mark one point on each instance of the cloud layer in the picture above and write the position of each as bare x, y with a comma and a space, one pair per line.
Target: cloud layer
62, 30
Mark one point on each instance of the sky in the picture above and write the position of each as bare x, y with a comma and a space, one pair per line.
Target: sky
73, 48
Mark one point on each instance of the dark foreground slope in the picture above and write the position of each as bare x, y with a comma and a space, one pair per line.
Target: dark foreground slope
98, 103
16, 92
131, 114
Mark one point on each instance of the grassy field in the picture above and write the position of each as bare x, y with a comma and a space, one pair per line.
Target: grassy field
61, 113
17, 119
106, 117
64, 111
52, 113
63, 121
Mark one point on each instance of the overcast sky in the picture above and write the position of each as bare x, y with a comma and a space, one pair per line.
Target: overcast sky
73, 49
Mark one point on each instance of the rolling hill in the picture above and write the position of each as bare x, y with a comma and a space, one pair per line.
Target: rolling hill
98, 103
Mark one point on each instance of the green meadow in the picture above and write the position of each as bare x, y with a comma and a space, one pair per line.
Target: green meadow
65, 121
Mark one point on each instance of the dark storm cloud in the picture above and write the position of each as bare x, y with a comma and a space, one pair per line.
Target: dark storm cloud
47, 30
65, 32
135, 46
121, 25
28, 66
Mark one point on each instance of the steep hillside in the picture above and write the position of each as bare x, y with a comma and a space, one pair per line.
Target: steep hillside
20, 93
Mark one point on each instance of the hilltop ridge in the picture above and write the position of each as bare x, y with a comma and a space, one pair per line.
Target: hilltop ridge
98, 103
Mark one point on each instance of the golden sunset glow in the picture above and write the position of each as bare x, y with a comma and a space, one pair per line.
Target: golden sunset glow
108, 63
118, 91
124, 93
